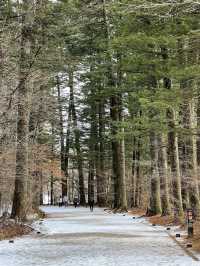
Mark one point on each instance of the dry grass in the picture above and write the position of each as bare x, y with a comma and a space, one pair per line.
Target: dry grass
41, 214
9, 229
169, 220
137, 211
164, 220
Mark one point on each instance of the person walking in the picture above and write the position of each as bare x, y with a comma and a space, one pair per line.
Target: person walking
91, 204
65, 201
75, 202
60, 201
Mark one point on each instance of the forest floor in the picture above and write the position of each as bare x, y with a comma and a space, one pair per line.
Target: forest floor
168, 221
10, 229
77, 237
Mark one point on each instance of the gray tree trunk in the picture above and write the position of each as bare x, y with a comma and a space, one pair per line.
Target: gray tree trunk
195, 176
155, 203
20, 199
100, 161
167, 210
123, 196
77, 139
178, 186
62, 140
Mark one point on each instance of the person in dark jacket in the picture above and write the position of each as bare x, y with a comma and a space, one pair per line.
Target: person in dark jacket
60, 203
75, 202
91, 204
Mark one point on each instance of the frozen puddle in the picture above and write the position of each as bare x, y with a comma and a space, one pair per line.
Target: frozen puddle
76, 237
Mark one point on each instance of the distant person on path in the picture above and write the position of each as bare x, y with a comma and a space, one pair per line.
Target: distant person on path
60, 201
65, 201
91, 204
75, 202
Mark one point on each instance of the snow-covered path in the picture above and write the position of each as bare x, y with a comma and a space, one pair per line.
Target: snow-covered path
76, 237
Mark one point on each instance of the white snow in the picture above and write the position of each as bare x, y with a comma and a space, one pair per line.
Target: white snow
76, 237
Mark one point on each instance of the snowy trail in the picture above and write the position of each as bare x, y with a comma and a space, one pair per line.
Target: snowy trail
76, 237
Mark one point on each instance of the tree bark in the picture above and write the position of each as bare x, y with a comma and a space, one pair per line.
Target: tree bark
166, 206
134, 173
155, 202
123, 196
100, 161
178, 187
52, 189
119, 188
20, 199
62, 140
193, 126
77, 139
41, 188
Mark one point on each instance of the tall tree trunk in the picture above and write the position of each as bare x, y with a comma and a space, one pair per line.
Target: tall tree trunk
52, 173
155, 203
93, 155
138, 178
114, 114
185, 154
20, 199
100, 161
123, 196
116, 152
195, 176
36, 190
62, 141
77, 139
166, 206
177, 177
119, 188
67, 149
91, 175
134, 173
41, 188
52, 189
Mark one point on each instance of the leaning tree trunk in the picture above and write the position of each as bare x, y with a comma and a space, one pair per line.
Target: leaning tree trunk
20, 199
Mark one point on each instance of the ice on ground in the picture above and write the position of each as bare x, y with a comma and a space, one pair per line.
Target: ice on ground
76, 237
